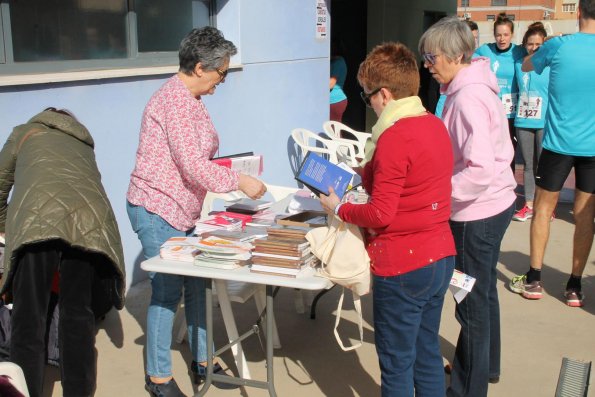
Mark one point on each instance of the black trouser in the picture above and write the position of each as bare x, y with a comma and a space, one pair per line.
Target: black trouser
36, 265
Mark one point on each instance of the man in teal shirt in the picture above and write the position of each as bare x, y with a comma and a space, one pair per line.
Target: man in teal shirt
569, 141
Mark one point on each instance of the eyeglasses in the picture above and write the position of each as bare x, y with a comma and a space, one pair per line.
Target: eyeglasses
430, 58
366, 97
222, 74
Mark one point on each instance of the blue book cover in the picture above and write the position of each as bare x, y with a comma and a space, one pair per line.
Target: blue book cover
318, 174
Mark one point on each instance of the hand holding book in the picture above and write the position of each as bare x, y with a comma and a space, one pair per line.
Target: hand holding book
330, 202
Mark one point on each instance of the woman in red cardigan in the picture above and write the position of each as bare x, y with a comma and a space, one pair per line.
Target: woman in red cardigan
406, 171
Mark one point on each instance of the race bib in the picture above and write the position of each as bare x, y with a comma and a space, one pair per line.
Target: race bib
530, 107
509, 101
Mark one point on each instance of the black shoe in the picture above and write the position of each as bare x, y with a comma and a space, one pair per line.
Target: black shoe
167, 389
199, 373
494, 379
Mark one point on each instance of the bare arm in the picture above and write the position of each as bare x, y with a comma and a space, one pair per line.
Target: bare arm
332, 82
527, 64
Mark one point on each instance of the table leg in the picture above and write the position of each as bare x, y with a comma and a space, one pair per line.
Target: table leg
209, 316
269, 336
231, 328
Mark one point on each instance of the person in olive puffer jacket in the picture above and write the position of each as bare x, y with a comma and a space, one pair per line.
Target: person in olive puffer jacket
58, 219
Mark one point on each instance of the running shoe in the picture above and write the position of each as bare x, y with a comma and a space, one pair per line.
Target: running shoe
532, 290
523, 214
574, 298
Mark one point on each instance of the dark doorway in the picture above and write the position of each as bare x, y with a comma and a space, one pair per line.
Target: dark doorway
349, 26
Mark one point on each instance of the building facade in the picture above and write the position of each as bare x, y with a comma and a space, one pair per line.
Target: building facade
103, 59
487, 10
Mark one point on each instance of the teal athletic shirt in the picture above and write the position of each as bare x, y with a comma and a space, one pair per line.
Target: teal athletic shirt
569, 121
502, 64
533, 101
339, 71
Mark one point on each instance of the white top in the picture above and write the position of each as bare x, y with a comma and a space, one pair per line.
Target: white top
307, 279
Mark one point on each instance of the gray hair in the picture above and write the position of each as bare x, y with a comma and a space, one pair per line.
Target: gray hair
206, 46
451, 37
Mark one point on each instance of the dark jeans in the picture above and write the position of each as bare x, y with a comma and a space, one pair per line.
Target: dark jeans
407, 311
477, 355
31, 287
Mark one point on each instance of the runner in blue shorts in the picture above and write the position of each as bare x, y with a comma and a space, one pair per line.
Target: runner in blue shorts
569, 141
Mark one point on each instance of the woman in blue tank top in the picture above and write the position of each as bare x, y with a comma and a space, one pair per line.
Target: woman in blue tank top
530, 115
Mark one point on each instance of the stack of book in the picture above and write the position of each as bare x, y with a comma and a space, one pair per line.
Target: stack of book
180, 249
221, 253
248, 206
285, 252
222, 221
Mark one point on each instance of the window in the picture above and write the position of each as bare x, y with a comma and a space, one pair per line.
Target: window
490, 17
569, 7
464, 3
498, 2
511, 17
55, 35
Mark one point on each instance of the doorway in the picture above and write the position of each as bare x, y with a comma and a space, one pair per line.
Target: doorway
349, 26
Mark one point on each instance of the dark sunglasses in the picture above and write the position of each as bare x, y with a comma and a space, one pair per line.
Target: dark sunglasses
222, 74
366, 97
429, 58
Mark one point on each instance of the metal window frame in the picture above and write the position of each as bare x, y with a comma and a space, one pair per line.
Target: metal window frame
134, 59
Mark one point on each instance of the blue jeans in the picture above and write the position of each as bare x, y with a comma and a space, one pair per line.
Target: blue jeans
477, 355
167, 289
407, 311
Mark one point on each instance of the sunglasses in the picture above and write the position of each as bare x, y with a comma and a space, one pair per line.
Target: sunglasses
366, 97
430, 58
222, 74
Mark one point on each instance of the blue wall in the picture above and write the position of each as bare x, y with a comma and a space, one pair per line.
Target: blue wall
283, 84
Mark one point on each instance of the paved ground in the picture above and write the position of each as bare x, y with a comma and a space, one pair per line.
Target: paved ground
536, 335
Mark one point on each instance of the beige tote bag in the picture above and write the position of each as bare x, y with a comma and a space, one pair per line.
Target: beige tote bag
341, 249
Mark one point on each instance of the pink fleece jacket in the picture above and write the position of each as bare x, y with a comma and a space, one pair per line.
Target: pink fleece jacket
482, 182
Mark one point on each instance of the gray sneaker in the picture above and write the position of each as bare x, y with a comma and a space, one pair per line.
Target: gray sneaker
532, 290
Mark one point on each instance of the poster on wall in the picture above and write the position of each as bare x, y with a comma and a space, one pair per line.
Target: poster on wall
321, 19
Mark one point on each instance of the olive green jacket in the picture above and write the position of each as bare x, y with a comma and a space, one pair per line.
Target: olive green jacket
49, 164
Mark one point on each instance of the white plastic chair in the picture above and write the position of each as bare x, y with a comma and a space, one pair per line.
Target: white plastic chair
16, 375
337, 151
340, 132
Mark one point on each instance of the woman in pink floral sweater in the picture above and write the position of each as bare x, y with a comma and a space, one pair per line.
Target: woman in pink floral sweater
172, 175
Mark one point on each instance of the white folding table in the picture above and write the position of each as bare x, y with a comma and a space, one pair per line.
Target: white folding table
307, 280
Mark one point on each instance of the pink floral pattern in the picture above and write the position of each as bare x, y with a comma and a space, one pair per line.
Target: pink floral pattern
173, 171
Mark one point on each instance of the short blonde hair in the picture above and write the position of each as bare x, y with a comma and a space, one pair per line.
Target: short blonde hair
392, 66
451, 37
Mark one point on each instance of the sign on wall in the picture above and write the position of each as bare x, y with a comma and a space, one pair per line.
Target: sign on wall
321, 19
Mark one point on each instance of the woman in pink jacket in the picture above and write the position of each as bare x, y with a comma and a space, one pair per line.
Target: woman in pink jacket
482, 194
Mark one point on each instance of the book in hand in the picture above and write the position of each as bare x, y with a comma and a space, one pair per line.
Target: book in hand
245, 163
319, 174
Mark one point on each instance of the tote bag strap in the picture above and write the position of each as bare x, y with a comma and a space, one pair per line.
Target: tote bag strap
358, 309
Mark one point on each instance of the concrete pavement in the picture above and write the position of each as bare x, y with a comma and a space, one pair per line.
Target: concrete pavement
535, 335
